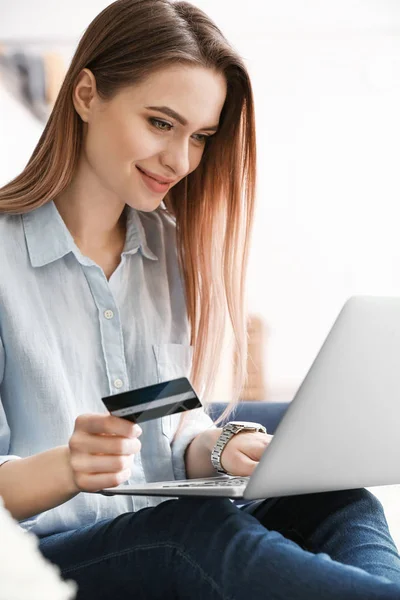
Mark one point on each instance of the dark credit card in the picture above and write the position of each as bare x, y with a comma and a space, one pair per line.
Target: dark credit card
153, 401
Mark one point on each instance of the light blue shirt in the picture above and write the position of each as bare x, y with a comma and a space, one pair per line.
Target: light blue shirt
69, 337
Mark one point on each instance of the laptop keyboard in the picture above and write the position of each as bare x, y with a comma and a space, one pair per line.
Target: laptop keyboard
231, 482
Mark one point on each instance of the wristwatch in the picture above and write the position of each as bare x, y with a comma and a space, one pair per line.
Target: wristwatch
229, 430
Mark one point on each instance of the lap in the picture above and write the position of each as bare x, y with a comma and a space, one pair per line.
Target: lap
348, 525
298, 517
171, 521
184, 542
145, 553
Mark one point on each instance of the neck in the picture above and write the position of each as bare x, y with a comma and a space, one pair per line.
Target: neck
93, 225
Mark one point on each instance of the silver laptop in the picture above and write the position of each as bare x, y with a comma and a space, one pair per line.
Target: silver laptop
341, 430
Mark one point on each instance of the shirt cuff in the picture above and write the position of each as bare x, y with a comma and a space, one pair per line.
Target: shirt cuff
4, 459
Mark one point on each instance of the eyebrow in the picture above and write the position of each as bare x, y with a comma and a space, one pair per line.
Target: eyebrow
174, 115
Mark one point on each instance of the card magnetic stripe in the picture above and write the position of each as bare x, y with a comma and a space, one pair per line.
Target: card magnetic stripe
163, 402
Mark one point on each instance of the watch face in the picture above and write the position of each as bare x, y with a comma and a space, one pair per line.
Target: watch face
238, 426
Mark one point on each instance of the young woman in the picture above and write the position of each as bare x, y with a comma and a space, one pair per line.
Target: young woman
123, 247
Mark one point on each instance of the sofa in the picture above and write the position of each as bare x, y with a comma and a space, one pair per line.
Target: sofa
267, 413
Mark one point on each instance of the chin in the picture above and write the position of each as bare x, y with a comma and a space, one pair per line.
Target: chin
145, 205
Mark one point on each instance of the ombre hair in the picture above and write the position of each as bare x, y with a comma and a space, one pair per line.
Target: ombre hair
213, 206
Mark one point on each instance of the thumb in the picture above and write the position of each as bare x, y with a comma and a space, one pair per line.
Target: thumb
239, 464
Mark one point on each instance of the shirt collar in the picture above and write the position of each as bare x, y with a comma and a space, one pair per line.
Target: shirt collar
48, 238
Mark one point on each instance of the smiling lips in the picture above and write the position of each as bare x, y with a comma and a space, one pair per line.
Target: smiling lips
155, 185
156, 177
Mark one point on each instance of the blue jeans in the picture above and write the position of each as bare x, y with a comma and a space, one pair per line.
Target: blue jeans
327, 546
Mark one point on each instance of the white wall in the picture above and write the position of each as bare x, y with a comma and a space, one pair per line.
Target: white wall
326, 78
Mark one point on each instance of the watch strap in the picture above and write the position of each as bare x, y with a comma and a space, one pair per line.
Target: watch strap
228, 431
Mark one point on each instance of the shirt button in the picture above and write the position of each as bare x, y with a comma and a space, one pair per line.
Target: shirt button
108, 314
118, 383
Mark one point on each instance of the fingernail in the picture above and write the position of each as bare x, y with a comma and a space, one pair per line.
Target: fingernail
138, 429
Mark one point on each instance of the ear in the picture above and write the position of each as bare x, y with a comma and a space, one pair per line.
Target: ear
84, 94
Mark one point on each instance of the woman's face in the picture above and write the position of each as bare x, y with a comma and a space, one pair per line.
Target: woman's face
137, 132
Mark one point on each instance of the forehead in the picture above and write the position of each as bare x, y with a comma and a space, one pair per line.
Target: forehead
196, 93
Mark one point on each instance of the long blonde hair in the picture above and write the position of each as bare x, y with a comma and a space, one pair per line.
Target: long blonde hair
213, 205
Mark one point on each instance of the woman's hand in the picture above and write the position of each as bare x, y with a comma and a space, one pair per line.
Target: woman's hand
101, 449
243, 452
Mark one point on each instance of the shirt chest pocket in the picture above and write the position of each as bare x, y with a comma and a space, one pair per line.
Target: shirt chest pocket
172, 361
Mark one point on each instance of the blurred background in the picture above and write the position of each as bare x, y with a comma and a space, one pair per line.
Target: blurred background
326, 79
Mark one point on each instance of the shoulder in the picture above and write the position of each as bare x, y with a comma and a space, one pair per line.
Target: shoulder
11, 232
13, 252
13, 256
8, 221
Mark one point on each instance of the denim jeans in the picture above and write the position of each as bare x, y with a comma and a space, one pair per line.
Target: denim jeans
333, 545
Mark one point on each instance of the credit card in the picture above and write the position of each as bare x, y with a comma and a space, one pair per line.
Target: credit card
153, 401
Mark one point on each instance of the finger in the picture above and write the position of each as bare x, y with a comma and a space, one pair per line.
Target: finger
102, 423
93, 463
88, 482
253, 446
88, 443
244, 465
255, 438
265, 438
237, 463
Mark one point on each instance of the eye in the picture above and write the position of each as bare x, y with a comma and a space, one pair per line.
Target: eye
165, 126
203, 137
162, 125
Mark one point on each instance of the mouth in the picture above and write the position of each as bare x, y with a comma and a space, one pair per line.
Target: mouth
152, 176
154, 185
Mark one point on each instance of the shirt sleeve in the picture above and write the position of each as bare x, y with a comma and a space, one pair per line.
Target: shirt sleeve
4, 428
195, 422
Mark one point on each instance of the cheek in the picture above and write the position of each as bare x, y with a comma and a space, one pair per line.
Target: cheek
103, 145
195, 159
112, 147
140, 144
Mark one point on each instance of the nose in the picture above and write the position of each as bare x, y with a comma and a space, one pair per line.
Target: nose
176, 157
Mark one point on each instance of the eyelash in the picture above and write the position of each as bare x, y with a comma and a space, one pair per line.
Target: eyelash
153, 121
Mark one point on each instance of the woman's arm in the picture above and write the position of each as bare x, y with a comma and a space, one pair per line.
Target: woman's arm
239, 457
99, 455
198, 454
32, 485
